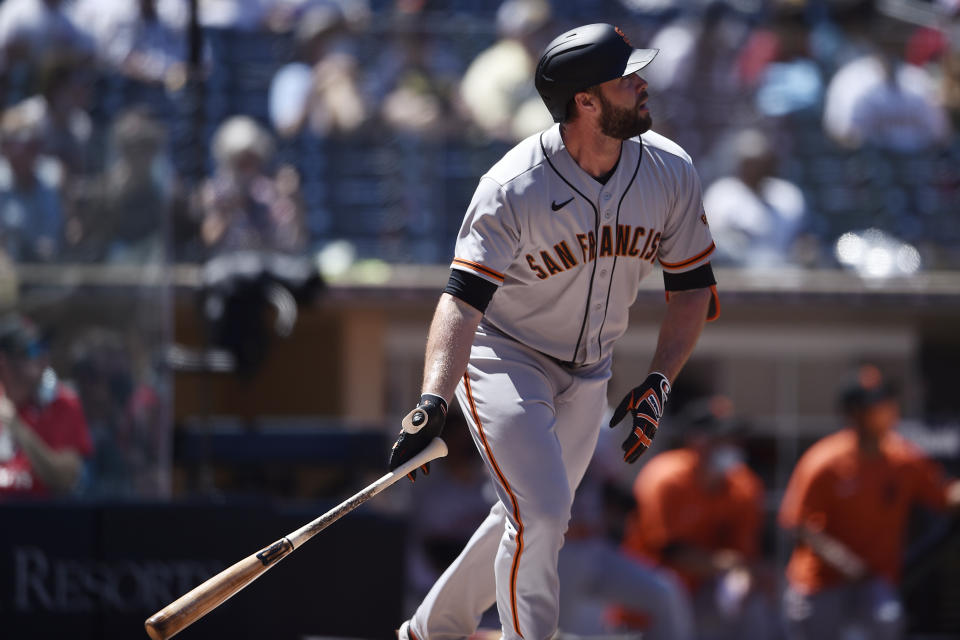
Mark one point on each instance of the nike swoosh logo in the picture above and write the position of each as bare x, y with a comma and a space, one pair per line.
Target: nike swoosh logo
557, 207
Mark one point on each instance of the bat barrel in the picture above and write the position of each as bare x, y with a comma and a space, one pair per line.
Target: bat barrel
199, 601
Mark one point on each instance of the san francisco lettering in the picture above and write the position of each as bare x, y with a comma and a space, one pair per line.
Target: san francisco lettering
625, 241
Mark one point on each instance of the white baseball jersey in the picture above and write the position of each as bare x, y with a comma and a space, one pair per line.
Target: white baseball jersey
569, 252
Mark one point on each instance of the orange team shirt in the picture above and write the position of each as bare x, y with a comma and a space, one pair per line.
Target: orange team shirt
861, 501
673, 506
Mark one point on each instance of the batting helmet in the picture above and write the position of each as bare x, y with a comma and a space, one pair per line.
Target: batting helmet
584, 57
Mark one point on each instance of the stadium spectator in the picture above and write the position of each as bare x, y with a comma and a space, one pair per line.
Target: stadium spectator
699, 513
35, 31
124, 418
122, 213
878, 99
950, 85
144, 40
273, 15
282, 16
754, 216
43, 434
415, 80
496, 90
321, 91
847, 503
777, 65
242, 205
61, 107
694, 78
246, 15
31, 215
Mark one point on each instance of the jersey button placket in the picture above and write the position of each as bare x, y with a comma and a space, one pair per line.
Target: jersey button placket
597, 304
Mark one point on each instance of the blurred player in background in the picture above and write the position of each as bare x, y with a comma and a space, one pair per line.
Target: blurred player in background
848, 502
44, 439
699, 513
596, 574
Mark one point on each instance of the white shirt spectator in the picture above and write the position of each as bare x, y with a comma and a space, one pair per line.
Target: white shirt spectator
234, 14
122, 35
864, 105
289, 95
754, 228
496, 89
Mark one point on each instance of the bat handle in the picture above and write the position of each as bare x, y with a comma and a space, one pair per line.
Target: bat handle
436, 449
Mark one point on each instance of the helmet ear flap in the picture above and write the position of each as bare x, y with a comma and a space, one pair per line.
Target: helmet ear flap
551, 91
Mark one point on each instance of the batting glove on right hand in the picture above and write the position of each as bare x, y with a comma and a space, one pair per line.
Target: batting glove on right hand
420, 427
646, 403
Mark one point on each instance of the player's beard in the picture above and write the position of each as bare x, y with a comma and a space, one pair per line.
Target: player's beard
620, 123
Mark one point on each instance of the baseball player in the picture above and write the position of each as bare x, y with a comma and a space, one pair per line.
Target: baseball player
847, 504
548, 261
699, 514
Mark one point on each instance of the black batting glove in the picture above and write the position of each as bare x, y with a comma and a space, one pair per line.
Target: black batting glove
420, 427
646, 403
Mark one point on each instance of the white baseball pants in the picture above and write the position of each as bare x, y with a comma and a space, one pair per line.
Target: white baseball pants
535, 423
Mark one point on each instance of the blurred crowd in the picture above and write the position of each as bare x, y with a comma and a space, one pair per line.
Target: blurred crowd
231, 134
824, 131
97, 432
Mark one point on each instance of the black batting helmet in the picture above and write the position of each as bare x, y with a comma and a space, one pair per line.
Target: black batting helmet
584, 57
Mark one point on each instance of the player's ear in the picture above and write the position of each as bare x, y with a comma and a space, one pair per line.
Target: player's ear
586, 102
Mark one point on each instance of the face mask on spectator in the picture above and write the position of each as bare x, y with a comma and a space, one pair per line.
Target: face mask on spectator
724, 457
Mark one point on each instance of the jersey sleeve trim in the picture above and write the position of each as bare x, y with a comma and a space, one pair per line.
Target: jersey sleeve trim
479, 269
690, 261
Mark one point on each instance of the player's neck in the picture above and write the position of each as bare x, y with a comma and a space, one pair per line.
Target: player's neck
594, 152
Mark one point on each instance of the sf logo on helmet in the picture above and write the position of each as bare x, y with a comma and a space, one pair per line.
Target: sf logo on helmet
621, 34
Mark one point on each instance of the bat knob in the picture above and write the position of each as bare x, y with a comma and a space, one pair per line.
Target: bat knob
418, 418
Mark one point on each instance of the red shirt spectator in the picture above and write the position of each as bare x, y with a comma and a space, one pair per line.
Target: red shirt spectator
60, 425
43, 432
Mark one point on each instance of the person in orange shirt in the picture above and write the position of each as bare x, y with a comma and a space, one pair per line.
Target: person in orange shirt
699, 513
847, 502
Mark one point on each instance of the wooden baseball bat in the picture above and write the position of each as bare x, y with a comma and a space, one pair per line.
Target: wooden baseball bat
203, 599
